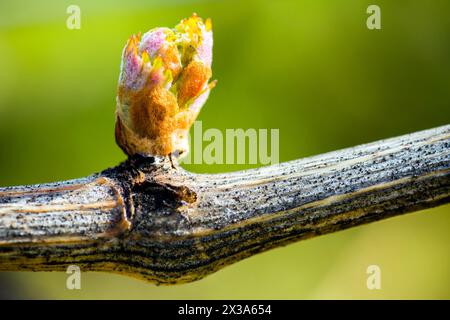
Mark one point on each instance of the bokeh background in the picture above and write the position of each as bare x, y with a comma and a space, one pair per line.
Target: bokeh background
310, 68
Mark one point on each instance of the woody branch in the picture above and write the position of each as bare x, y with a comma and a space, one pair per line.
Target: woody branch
146, 219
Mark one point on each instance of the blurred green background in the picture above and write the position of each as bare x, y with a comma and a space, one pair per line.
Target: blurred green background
308, 67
